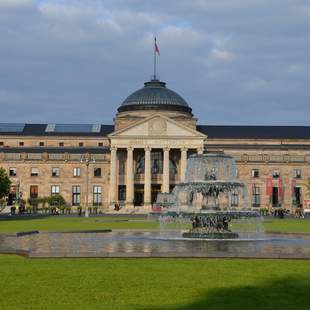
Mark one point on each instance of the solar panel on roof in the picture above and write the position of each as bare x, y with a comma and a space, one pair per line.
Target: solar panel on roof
73, 128
50, 128
12, 127
96, 128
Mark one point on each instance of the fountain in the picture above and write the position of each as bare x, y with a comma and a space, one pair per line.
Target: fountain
210, 197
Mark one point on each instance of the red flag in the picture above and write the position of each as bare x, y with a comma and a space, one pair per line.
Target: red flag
280, 185
157, 48
269, 186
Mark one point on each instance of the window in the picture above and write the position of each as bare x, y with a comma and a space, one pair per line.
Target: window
100, 144
21, 143
255, 173
122, 192
34, 190
157, 162
55, 172
276, 174
34, 172
140, 164
255, 196
76, 195
41, 144
121, 167
81, 144
297, 173
55, 190
12, 172
1, 143
234, 199
97, 172
61, 144
96, 195
76, 172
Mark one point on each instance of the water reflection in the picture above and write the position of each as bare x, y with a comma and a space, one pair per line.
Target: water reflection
155, 244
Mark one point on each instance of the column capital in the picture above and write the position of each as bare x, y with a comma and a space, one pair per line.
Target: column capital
166, 149
200, 150
184, 149
113, 148
147, 148
130, 148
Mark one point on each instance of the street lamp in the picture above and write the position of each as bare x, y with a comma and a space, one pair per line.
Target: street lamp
87, 159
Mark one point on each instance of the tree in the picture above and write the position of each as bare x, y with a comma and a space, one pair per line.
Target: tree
5, 184
308, 186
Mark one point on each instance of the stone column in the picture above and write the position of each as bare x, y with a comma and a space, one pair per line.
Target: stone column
200, 150
113, 177
166, 175
147, 177
129, 177
183, 164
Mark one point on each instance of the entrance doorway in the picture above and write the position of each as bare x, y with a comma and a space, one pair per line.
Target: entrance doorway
297, 195
139, 195
155, 191
275, 197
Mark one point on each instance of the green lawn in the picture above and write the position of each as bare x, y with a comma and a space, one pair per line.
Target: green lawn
153, 284
287, 225
61, 223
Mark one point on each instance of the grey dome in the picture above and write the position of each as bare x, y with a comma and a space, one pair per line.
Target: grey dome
155, 96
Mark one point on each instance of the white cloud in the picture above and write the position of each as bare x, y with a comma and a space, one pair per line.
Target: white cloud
221, 55
88, 55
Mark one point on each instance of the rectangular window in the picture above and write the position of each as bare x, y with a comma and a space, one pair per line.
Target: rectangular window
55, 190
12, 172
41, 144
55, 172
97, 172
76, 172
122, 192
100, 144
97, 195
234, 199
255, 196
276, 174
34, 190
21, 143
122, 167
34, 172
1, 143
81, 144
297, 173
76, 195
255, 173
61, 144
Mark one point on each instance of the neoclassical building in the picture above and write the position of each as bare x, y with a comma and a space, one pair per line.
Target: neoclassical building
145, 151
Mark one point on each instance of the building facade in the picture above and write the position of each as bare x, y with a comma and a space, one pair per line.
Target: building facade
145, 151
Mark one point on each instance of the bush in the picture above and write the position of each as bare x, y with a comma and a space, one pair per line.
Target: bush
56, 201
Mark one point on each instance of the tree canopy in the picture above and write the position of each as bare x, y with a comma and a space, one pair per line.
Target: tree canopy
5, 183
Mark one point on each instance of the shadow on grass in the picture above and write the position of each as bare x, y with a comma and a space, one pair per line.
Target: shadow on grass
286, 293
18, 217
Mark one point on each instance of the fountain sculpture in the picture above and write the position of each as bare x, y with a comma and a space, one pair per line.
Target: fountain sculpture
210, 197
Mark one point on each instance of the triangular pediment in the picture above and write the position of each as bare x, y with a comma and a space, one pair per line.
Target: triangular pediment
157, 125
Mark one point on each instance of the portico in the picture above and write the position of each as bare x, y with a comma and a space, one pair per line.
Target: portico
152, 154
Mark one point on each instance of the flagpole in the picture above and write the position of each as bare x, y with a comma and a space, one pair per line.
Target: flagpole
154, 58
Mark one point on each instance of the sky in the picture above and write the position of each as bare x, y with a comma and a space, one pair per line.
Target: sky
233, 61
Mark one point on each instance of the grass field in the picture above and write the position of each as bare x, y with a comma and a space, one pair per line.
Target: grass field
61, 223
153, 284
